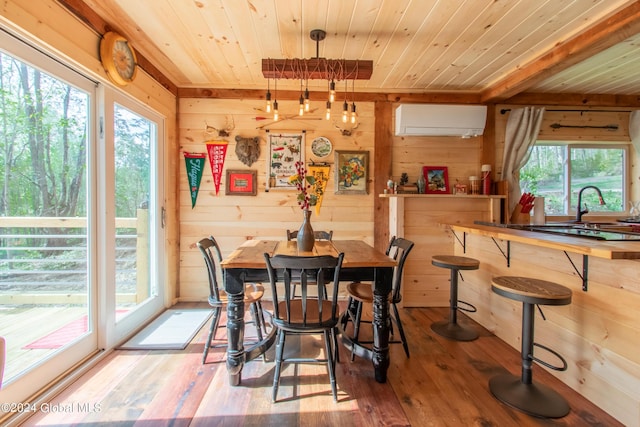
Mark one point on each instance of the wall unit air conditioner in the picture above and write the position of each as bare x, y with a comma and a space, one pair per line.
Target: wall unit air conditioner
440, 120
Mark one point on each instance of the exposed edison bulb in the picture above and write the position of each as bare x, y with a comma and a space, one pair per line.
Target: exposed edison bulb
275, 110
328, 113
345, 112
307, 103
301, 109
354, 117
268, 101
332, 91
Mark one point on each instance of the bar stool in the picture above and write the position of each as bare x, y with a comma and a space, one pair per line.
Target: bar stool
451, 328
520, 393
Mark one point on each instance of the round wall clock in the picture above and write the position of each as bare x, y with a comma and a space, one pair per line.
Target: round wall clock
118, 58
321, 147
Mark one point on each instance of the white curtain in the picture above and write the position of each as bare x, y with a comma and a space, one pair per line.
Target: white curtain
634, 129
522, 130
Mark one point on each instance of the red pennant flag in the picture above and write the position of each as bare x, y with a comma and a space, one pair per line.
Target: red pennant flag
217, 151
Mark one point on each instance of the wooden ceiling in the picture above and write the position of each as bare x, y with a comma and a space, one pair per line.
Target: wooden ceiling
493, 49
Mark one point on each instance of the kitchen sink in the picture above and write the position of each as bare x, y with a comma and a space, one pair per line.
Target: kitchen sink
598, 231
610, 231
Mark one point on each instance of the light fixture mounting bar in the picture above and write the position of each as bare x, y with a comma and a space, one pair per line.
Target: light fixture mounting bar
317, 69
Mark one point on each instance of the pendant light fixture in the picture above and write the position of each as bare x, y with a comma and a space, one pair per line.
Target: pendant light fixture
345, 106
301, 106
332, 91
329, 70
268, 97
275, 103
307, 102
354, 117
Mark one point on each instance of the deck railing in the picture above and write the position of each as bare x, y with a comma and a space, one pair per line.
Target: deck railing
45, 260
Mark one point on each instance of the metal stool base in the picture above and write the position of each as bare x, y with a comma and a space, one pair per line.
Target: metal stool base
537, 400
453, 331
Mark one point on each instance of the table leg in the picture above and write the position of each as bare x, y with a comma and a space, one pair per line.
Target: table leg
234, 286
381, 290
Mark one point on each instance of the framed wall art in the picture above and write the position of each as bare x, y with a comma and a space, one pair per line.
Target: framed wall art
241, 183
437, 179
284, 151
351, 172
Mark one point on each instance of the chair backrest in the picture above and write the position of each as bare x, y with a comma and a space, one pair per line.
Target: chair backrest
398, 249
319, 235
207, 246
313, 309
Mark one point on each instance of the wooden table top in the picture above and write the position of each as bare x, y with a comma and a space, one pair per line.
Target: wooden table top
356, 253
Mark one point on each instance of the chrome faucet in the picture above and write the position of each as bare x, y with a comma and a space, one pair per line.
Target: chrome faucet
579, 210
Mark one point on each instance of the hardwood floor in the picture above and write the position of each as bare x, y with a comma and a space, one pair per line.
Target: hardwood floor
444, 383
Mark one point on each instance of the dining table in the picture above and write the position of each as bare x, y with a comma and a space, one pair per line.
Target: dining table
361, 262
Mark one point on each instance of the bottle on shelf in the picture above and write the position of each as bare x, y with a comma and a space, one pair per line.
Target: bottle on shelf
486, 179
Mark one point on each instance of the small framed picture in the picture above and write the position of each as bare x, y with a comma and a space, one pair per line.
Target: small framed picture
352, 172
241, 183
437, 179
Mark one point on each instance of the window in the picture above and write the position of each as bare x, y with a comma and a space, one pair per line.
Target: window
558, 171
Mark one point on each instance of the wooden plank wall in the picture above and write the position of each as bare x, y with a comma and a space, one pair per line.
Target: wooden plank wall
460, 156
424, 285
420, 219
597, 333
233, 219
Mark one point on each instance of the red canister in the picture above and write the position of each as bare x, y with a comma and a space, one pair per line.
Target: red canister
486, 179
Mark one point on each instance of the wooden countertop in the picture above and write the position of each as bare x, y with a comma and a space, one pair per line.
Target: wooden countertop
436, 196
579, 245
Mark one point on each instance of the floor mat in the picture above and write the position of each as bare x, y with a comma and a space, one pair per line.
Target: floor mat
172, 330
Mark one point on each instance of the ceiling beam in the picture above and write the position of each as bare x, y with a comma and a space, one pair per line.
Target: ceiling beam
317, 69
594, 40
294, 95
566, 99
100, 26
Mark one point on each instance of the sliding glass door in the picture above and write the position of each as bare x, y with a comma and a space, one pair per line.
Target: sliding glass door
47, 273
133, 141
81, 235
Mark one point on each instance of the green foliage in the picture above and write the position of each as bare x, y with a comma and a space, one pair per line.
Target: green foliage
44, 140
43, 137
544, 175
132, 156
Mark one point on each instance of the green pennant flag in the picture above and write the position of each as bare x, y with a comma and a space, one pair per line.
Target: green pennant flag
195, 165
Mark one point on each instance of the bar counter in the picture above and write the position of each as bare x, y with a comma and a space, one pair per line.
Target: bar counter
597, 333
578, 245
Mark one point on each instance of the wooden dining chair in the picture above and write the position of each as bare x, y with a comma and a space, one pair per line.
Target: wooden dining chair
218, 298
305, 315
362, 293
318, 235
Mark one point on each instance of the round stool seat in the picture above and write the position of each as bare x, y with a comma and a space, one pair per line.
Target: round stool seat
531, 291
520, 392
455, 262
450, 328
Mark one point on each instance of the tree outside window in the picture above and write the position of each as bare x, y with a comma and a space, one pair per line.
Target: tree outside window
554, 168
